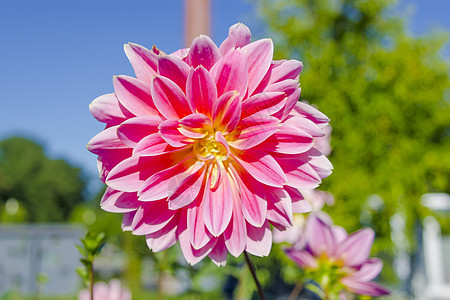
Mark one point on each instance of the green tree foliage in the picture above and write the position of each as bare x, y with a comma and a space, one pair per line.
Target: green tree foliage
48, 189
387, 95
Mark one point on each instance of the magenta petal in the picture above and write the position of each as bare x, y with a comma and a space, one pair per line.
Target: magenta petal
151, 217
152, 145
299, 173
262, 167
306, 125
134, 95
231, 73
169, 98
254, 130
238, 36
355, 250
236, 233
127, 220
218, 206
267, 103
369, 270
364, 288
301, 257
185, 187
105, 140
199, 235
144, 61
259, 239
201, 91
286, 70
162, 239
133, 130
169, 130
319, 237
119, 202
309, 112
259, 57
227, 111
203, 52
175, 69
279, 207
219, 253
107, 109
289, 140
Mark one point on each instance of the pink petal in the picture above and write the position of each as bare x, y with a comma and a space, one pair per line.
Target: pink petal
259, 57
107, 109
364, 288
236, 233
227, 111
254, 130
267, 103
301, 257
218, 207
152, 145
133, 130
321, 165
175, 69
262, 167
151, 217
185, 187
309, 112
301, 207
306, 125
288, 87
339, 233
299, 173
201, 91
111, 158
105, 141
119, 202
259, 239
127, 220
144, 61
163, 238
203, 52
319, 237
195, 125
219, 253
169, 130
180, 53
369, 270
238, 36
134, 96
289, 140
355, 250
169, 98
291, 100
199, 235
231, 73
279, 207
286, 70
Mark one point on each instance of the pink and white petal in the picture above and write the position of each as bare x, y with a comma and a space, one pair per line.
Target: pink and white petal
201, 91
203, 52
323, 143
261, 166
227, 111
319, 162
254, 130
230, 73
305, 124
259, 240
163, 238
286, 70
259, 57
355, 250
218, 206
219, 253
291, 100
364, 288
238, 36
127, 220
185, 187
119, 202
107, 109
235, 235
267, 103
304, 109
169, 130
199, 234
195, 125
151, 217
339, 233
302, 258
152, 145
299, 174
111, 158
301, 207
175, 69
369, 270
133, 130
105, 141
319, 237
181, 53
288, 140
169, 98
143, 61
279, 208
134, 95
288, 87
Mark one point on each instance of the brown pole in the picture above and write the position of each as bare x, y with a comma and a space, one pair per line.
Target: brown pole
197, 19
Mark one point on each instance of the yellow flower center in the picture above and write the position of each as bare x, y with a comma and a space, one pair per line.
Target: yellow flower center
208, 148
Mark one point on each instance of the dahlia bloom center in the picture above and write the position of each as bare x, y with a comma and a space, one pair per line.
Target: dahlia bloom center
208, 148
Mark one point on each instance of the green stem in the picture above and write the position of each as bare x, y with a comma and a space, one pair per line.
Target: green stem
255, 278
91, 281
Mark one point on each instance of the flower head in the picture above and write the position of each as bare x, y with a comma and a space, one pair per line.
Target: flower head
103, 291
338, 261
208, 146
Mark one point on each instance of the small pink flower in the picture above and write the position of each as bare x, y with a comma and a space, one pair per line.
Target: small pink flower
328, 247
208, 145
103, 291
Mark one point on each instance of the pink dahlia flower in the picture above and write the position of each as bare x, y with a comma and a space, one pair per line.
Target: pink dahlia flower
103, 291
208, 146
337, 261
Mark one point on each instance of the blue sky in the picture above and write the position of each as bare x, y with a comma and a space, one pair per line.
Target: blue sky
57, 56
